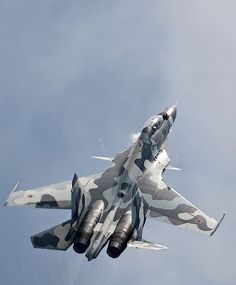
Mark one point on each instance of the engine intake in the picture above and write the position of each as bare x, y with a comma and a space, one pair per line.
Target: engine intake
87, 226
118, 240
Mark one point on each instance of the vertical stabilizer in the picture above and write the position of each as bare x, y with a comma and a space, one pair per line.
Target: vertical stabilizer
78, 199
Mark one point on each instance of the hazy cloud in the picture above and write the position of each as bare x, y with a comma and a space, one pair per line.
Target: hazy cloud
75, 72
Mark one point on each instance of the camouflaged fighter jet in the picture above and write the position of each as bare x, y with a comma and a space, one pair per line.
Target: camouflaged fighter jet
111, 207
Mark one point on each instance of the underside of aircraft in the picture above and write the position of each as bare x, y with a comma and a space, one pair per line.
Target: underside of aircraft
111, 208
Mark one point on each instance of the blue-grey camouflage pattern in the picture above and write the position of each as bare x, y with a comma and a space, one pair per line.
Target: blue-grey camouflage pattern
131, 190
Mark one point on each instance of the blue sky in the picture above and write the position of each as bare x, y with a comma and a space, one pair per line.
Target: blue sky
75, 72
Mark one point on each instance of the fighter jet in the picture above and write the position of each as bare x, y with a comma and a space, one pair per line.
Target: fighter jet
111, 208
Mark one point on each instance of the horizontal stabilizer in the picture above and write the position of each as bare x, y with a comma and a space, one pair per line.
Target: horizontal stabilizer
146, 245
56, 238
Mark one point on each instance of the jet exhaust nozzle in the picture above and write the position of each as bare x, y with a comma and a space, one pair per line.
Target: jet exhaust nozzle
80, 247
120, 237
87, 226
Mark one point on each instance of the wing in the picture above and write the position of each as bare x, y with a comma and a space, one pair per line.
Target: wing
58, 196
166, 205
52, 196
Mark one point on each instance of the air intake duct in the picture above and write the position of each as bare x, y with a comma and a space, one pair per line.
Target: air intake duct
120, 237
87, 226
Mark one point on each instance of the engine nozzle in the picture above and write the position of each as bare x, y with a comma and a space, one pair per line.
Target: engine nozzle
87, 226
120, 237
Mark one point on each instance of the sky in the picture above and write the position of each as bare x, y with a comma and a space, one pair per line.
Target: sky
75, 73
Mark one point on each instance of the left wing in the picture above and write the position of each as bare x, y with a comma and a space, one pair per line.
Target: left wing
58, 196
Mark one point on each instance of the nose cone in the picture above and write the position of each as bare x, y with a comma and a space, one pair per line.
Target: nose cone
171, 113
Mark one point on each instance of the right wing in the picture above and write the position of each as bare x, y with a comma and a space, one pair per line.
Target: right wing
166, 205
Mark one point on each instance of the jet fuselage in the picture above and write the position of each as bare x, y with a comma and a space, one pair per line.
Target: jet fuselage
144, 151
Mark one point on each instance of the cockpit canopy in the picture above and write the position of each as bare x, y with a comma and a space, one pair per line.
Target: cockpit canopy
154, 122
